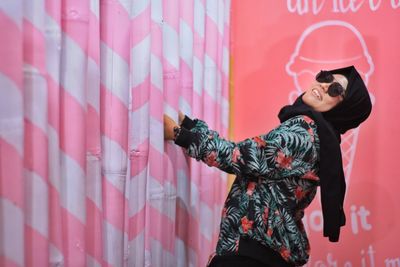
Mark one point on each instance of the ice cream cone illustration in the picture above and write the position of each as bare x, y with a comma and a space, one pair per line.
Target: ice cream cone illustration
328, 45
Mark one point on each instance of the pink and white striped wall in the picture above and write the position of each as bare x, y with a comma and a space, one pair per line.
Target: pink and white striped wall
86, 177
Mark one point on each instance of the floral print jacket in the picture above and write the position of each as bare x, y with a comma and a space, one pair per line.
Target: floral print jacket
276, 179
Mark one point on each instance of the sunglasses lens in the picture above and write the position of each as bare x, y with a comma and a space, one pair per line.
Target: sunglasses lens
335, 89
324, 77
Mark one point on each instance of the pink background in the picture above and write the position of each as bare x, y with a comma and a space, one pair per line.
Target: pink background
265, 35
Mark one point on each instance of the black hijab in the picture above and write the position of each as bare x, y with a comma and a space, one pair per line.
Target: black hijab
353, 110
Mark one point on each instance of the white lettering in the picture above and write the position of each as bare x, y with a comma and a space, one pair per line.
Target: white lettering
370, 253
347, 264
374, 6
354, 221
394, 4
363, 213
300, 6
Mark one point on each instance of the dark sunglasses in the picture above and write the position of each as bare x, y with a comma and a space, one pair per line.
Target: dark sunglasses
334, 89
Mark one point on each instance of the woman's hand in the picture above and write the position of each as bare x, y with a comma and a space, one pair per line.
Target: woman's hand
181, 117
169, 125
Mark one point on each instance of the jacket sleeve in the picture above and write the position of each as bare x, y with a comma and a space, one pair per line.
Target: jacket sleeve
285, 151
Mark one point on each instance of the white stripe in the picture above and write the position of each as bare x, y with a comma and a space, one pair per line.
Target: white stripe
56, 258
95, 7
184, 106
14, 10
162, 198
53, 36
92, 262
170, 111
140, 55
126, 4
186, 43
192, 257
160, 256
73, 195
183, 188
194, 199
11, 232
93, 91
138, 7
137, 192
11, 114
171, 45
181, 253
215, 10
156, 11
199, 18
54, 158
139, 125
94, 180
34, 12
227, 13
35, 104
113, 244
217, 217
225, 61
36, 208
156, 72
114, 165
197, 76
156, 127
206, 214
73, 69
136, 251
210, 77
114, 73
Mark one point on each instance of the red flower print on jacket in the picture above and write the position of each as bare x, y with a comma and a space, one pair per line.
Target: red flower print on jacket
310, 175
246, 224
260, 142
283, 161
308, 119
299, 193
211, 159
269, 232
235, 155
250, 188
265, 215
285, 253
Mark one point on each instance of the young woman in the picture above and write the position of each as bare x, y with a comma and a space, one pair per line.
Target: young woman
277, 174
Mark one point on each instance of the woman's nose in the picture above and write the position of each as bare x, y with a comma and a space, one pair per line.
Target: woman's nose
325, 86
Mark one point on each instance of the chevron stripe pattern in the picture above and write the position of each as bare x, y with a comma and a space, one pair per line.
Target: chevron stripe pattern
86, 178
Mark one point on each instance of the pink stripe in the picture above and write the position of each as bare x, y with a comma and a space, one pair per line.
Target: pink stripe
115, 33
4, 262
115, 118
74, 249
137, 223
94, 38
11, 167
187, 12
114, 203
55, 218
141, 94
36, 248
94, 225
141, 26
53, 103
75, 16
93, 136
171, 13
53, 9
11, 50
35, 149
73, 127
162, 229
34, 46
139, 158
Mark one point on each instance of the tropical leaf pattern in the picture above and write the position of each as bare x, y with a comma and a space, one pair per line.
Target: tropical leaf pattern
276, 179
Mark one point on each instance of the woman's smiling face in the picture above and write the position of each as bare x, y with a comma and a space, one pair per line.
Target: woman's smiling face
317, 97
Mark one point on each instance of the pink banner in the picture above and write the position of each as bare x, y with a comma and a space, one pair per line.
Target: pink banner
278, 47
